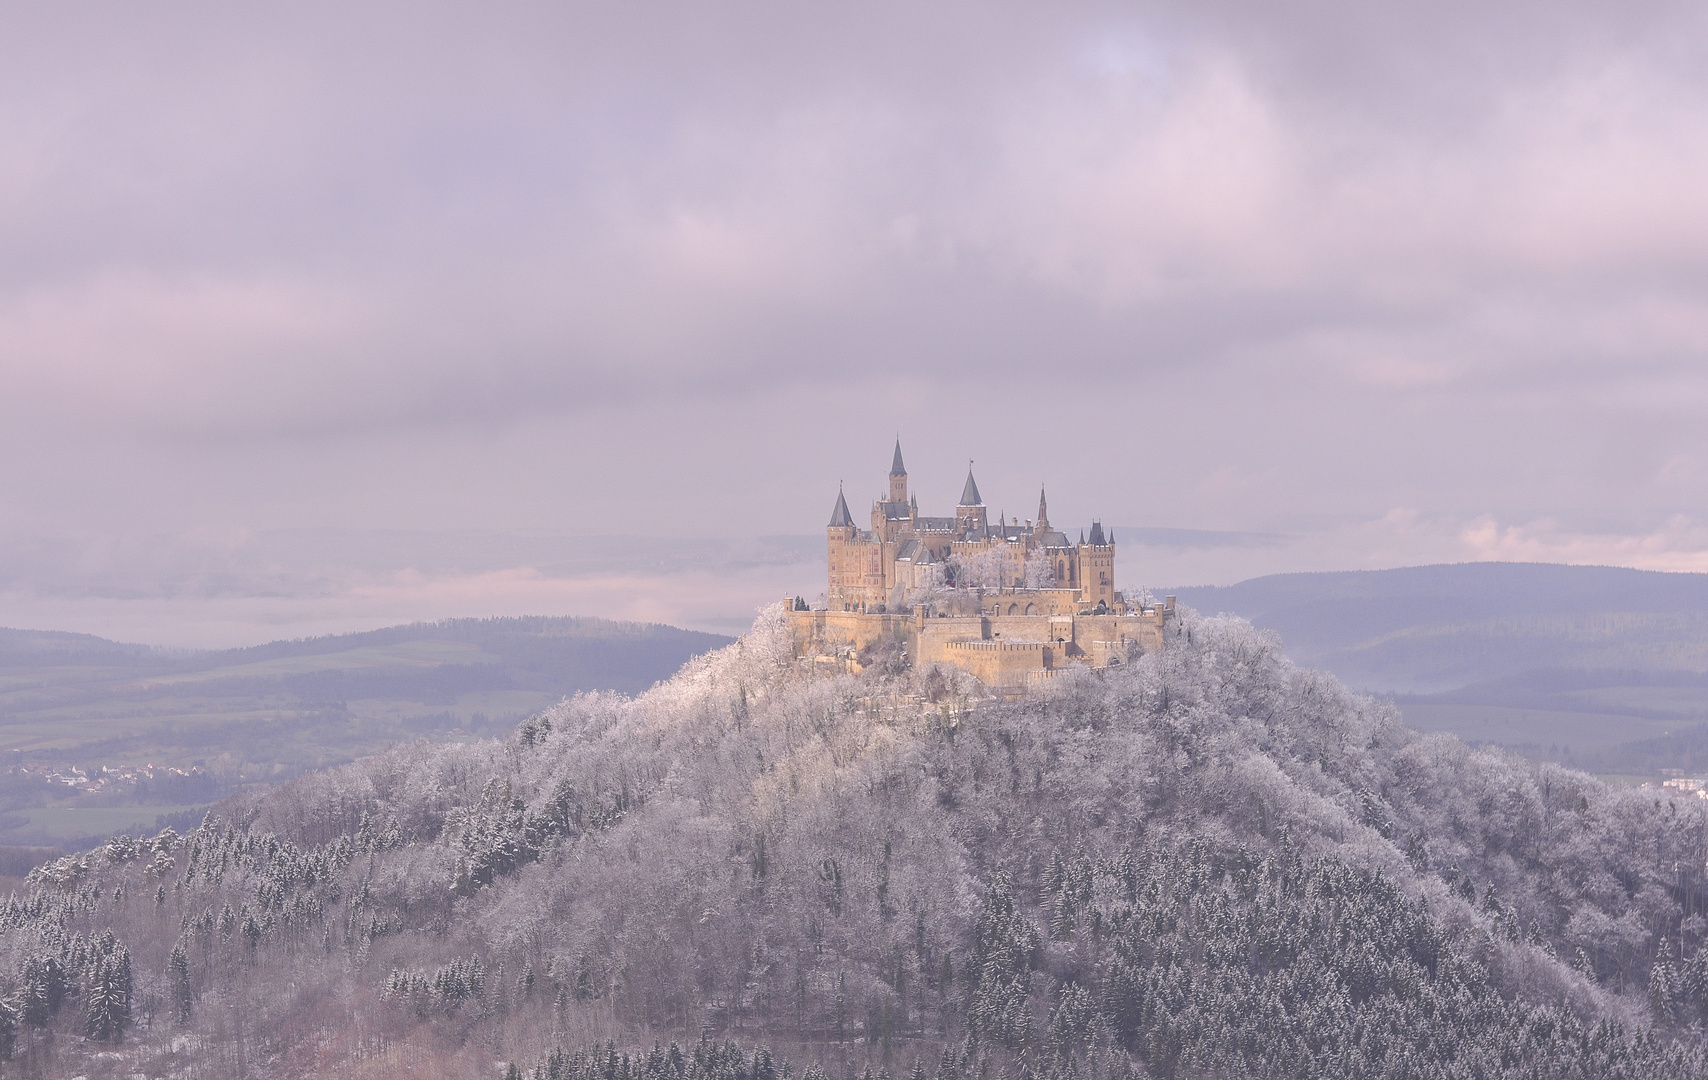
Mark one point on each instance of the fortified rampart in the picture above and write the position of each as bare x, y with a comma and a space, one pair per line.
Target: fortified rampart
1006, 651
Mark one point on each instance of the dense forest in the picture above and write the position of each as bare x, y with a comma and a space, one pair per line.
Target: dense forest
1209, 863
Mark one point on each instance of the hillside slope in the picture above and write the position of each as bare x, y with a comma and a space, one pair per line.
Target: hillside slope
1209, 864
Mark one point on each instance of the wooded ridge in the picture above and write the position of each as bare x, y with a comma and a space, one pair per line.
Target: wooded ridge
1208, 863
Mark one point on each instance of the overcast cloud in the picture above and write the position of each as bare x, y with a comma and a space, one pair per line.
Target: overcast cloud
1381, 284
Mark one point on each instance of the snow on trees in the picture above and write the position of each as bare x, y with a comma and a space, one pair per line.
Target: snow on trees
1206, 863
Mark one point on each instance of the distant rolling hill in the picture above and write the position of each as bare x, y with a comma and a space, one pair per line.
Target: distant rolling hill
239, 717
1602, 667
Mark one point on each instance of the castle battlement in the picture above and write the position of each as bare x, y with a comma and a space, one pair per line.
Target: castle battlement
1009, 602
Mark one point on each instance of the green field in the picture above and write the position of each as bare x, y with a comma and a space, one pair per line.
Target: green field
59, 824
186, 727
1543, 728
404, 654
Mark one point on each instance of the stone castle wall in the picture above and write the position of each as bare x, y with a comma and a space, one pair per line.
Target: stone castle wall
1005, 651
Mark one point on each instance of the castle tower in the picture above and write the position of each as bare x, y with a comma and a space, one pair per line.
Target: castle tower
1097, 569
898, 477
970, 513
840, 542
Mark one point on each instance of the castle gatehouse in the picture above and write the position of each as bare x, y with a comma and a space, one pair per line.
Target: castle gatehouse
1010, 602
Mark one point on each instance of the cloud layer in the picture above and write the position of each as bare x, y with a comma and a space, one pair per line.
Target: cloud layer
677, 269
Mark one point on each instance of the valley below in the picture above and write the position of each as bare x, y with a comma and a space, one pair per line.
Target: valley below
99, 737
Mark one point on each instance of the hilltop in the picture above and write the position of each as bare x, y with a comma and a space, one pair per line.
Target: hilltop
1206, 863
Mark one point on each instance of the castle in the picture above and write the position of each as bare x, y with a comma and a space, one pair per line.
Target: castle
1010, 602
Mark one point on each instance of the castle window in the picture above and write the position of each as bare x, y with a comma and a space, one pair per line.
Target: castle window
1031, 609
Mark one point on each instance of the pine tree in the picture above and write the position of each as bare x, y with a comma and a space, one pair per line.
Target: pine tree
178, 978
8, 1029
107, 1004
1663, 987
33, 1006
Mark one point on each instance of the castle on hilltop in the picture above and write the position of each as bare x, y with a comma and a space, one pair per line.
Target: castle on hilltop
1011, 602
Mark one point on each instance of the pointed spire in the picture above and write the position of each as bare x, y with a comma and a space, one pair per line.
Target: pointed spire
1082, 537
840, 518
896, 467
1043, 509
1097, 533
970, 493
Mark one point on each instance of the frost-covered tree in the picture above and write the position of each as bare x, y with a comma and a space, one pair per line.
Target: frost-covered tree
178, 983
1038, 572
991, 568
1207, 863
107, 997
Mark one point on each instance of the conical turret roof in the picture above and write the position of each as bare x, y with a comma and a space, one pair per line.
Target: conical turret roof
896, 467
840, 518
970, 493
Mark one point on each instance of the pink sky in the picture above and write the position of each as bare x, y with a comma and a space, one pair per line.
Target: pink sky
1331, 285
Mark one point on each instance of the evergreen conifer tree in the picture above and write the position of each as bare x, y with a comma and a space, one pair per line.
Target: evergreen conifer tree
106, 1011
178, 979
8, 1029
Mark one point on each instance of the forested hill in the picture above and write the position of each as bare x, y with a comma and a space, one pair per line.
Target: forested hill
1208, 864
1425, 629
1597, 667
